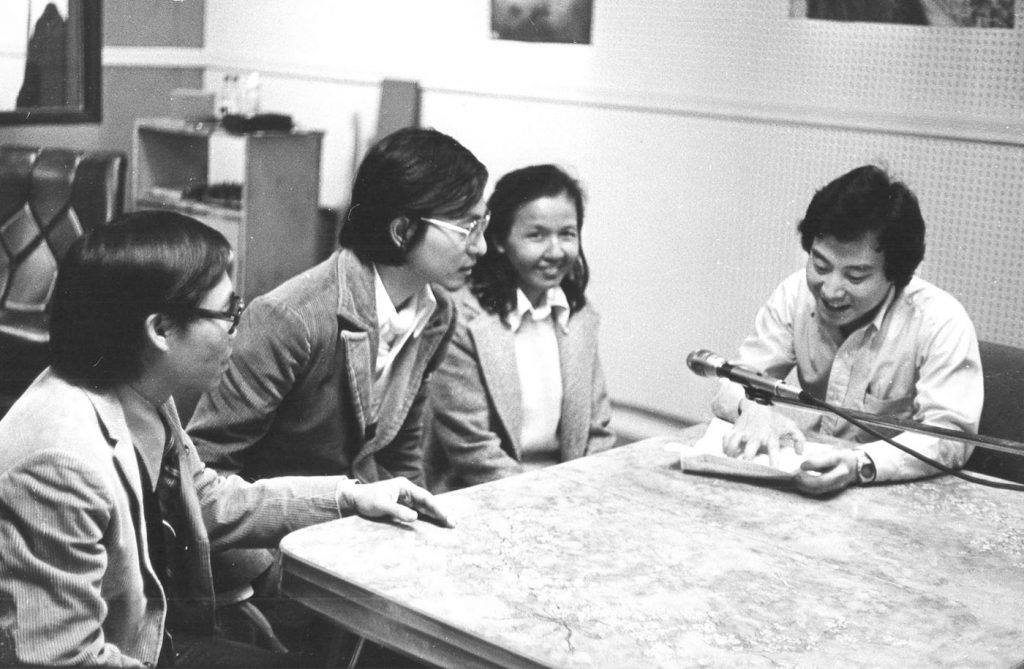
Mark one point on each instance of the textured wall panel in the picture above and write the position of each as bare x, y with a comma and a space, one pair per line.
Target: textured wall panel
700, 128
692, 221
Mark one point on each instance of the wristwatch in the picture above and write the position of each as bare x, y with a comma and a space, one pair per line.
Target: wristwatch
866, 471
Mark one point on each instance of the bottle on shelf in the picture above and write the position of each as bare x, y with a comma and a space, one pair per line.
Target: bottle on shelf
251, 92
228, 102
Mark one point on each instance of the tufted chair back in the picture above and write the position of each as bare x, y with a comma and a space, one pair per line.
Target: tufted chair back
48, 198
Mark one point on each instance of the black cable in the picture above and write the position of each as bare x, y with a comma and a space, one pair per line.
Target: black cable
1008, 485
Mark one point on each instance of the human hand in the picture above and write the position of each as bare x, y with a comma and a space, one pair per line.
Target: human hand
827, 472
761, 429
397, 499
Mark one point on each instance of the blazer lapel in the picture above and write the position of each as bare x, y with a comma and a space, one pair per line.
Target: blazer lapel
406, 374
357, 318
357, 348
496, 345
574, 355
113, 423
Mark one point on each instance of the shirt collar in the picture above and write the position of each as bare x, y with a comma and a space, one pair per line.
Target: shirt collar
886, 305
555, 303
414, 315
149, 433
876, 319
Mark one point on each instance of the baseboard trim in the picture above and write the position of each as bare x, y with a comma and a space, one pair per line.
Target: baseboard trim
632, 422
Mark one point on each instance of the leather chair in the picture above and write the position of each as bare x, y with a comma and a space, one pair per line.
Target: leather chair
48, 198
1003, 413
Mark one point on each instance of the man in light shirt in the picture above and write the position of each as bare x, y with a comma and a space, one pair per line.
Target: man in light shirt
862, 333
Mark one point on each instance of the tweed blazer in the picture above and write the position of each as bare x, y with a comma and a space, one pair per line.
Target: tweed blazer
76, 583
297, 394
476, 399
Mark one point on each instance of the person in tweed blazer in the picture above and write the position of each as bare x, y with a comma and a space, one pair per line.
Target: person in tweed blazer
94, 451
306, 392
522, 385
322, 381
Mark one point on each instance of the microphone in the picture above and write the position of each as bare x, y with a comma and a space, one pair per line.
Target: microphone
706, 363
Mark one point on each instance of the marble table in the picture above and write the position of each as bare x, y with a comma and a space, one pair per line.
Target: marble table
622, 560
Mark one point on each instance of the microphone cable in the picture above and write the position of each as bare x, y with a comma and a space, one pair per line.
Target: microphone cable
1003, 485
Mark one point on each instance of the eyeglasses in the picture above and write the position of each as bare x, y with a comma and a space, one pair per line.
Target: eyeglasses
233, 313
472, 232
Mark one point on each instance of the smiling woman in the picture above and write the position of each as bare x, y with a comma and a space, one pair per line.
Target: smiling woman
50, 61
522, 385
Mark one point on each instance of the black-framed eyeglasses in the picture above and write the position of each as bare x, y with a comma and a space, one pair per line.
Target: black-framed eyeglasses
472, 230
233, 313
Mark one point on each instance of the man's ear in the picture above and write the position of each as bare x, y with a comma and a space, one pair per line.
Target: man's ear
400, 231
158, 327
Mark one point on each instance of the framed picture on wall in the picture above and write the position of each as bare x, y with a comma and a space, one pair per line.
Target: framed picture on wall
565, 21
961, 13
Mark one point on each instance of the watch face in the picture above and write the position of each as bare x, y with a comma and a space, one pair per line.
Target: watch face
865, 468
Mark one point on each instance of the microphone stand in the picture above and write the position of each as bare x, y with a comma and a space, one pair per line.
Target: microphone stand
898, 424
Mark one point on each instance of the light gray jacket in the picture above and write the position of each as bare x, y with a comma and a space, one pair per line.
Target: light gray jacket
477, 402
74, 568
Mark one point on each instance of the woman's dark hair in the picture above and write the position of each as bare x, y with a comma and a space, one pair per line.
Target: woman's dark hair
412, 172
494, 281
867, 200
115, 276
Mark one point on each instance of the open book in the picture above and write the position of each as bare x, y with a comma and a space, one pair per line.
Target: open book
706, 457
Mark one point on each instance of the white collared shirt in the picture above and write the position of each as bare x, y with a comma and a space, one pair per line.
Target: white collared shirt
395, 327
916, 359
540, 373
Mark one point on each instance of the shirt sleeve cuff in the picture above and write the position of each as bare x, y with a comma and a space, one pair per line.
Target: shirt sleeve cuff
342, 496
891, 462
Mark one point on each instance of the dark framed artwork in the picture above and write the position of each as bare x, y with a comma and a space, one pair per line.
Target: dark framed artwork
52, 68
563, 21
956, 13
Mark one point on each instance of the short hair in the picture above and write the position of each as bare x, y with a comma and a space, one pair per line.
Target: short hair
494, 280
867, 200
412, 172
115, 276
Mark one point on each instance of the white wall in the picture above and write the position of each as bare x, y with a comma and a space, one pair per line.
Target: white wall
14, 27
700, 130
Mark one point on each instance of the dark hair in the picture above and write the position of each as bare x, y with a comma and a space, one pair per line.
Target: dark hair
412, 172
867, 200
115, 276
494, 280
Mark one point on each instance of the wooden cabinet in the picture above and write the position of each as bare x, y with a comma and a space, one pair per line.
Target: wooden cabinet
273, 226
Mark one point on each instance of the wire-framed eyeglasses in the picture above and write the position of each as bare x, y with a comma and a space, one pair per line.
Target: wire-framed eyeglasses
233, 313
472, 229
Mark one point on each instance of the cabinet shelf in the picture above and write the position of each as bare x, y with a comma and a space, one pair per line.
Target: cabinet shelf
274, 226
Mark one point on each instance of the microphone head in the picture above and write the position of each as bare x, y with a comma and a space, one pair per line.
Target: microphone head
703, 362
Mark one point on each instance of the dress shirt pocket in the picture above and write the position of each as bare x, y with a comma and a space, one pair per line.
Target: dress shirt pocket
899, 407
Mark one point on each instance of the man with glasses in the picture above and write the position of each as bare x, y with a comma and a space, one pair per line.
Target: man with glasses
107, 516
233, 313
328, 371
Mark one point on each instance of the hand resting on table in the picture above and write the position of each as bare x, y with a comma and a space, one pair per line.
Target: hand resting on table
395, 499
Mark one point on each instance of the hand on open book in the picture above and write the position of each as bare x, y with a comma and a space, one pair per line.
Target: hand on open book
827, 472
760, 429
